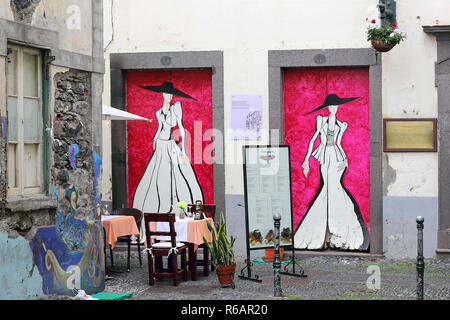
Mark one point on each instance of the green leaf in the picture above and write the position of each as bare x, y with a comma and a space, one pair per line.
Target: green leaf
221, 248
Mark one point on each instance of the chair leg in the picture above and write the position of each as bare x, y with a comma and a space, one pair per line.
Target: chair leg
139, 252
129, 253
174, 269
111, 255
151, 280
184, 265
104, 245
205, 261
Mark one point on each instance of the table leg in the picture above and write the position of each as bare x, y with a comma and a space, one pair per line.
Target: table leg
107, 277
192, 261
205, 261
129, 252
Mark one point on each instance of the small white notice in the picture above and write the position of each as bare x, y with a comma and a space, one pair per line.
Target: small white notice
246, 117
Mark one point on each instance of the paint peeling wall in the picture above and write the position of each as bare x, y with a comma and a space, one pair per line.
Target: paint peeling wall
3, 141
71, 18
17, 267
53, 242
64, 245
409, 92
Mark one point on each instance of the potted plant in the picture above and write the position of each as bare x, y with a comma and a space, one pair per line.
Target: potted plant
383, 38
221, 249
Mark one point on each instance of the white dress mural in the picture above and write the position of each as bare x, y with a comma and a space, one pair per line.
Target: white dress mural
333, 219
169, 176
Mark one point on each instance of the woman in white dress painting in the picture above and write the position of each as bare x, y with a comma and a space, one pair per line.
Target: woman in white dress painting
333, 219
169, 176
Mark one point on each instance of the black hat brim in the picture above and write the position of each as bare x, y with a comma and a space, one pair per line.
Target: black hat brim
338, 101
171, 90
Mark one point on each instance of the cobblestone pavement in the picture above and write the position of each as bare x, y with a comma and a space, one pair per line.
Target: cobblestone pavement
328, 278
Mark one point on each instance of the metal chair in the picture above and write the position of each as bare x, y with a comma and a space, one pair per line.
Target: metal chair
164, 249
137, 214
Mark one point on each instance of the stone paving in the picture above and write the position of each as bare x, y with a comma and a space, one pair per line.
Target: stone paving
328, 278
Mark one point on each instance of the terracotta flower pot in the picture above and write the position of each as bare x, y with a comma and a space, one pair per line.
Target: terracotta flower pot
270, 254
381, 46
226, 273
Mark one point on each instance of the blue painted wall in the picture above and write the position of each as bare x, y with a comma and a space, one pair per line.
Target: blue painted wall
19, 277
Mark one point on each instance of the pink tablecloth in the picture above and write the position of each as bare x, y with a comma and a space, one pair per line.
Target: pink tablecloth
119, 226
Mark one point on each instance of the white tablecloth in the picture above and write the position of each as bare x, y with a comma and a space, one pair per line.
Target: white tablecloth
180, 228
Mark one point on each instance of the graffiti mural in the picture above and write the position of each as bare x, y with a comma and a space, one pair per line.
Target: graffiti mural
70, 254
333, 218
97, 196
169, 166
73, 151
169, 176
63, 269
327, 126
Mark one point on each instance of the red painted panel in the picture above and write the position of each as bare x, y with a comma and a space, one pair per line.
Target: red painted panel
305, 89
196, 83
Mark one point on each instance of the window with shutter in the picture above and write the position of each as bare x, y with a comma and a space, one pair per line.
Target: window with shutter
25, 124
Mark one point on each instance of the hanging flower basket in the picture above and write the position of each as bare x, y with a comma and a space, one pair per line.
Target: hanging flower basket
383, 38
382, 46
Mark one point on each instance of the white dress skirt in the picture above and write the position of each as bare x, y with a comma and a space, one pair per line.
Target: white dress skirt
166, 181
333, 213
168, 177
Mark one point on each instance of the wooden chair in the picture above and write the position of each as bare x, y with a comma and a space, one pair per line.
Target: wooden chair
210, 212
162, 249
137, 214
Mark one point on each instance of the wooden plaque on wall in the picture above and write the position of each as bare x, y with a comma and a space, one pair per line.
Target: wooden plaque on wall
410, 135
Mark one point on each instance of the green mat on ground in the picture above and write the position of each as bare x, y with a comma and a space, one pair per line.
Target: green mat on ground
262, 261
111, 296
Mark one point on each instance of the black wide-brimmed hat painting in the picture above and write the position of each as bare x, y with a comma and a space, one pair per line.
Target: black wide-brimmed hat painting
167, 87
333, 100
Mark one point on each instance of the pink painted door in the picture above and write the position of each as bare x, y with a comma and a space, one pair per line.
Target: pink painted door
152, 177
331, 206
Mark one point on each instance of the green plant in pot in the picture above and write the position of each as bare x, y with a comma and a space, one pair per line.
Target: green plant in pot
221, 249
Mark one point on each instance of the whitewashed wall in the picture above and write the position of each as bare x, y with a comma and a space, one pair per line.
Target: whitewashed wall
72, 19
246, 29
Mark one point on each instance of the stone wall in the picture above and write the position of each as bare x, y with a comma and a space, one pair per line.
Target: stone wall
73, 154
53, 242
23, 9
59, 236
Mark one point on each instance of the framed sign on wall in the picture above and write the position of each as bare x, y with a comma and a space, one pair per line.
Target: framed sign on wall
410, 135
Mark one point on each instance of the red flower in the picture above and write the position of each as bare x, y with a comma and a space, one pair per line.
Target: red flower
373, 21
394, 24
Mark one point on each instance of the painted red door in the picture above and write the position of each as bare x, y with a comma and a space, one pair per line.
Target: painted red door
196, 119
306, 89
